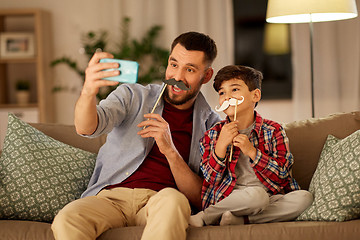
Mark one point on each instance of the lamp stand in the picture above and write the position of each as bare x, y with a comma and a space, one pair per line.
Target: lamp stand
312, 66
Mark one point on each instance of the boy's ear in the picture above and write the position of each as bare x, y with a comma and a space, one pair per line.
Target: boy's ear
208, 75
256, 95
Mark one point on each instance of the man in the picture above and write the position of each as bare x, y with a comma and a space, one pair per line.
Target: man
147, 171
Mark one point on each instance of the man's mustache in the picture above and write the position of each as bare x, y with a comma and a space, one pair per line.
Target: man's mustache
179, 84
228, 103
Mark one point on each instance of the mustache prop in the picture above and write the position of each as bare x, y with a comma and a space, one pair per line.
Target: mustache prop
171, 81
179, 84
228, 103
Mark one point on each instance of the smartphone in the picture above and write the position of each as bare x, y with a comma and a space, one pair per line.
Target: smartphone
128, 70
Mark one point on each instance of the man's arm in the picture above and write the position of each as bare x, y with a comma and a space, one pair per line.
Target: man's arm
86, 119
186, 180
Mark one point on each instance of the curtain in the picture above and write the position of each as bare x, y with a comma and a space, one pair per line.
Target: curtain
212, 17
336, 48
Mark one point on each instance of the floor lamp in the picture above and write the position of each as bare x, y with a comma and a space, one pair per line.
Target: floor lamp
310, 11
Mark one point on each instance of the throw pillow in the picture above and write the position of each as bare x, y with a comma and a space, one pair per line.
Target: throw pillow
38, 174
336, 181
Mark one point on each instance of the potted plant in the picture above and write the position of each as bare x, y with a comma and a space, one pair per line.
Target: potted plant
152, 58
22, 87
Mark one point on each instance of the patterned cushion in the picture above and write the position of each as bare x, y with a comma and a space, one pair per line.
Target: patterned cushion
38, 174
336, 181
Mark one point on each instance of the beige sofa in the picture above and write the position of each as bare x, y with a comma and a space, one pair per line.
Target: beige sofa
306, 137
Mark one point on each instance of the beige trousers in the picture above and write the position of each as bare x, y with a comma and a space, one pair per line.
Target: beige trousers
256, 203
164, 214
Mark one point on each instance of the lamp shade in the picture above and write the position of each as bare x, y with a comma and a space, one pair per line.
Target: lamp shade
302, 11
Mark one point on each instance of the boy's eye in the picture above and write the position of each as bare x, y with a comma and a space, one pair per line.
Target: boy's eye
221, 93
235, 89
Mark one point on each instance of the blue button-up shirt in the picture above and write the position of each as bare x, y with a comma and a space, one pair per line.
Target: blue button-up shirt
124, 150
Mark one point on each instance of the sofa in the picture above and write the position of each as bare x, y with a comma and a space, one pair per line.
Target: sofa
307, 139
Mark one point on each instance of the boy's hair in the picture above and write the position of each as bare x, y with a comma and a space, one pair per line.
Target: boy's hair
197, 42
250, 76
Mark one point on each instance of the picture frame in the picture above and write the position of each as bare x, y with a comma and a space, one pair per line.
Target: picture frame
17, 45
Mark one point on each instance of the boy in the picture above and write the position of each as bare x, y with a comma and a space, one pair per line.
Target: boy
254, 185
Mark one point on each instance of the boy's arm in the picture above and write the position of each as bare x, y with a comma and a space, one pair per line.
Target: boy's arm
275, 160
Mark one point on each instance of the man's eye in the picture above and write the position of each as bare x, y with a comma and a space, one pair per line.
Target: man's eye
173, 64
190, 70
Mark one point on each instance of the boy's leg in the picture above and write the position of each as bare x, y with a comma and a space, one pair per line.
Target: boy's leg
241, 202
89, 217
165, 216
284, 207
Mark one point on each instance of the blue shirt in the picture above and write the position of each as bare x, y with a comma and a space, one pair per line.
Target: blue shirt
124, 150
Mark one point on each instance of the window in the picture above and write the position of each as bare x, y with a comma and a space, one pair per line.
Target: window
263, 46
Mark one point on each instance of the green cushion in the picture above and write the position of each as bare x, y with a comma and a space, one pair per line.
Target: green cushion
336, 181
38, 174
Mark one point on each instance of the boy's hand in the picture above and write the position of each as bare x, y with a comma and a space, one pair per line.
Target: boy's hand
227, 134
242, 141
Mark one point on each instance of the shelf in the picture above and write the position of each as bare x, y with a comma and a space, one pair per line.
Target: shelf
32, 67
18, 60
14, 105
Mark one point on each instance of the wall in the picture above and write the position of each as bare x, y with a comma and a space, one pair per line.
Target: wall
72, 18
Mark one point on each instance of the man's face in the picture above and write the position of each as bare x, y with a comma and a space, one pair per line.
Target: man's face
190, 68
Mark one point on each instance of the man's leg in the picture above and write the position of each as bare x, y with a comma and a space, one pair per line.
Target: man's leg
166, 216
89, 217
241, 202
284, 207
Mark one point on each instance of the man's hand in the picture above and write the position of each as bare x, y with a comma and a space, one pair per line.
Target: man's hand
94, 74
242, 141
227, 134
159, 129
85, 109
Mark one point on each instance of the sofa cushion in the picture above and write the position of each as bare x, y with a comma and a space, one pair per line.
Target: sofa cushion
38, 174
336, 181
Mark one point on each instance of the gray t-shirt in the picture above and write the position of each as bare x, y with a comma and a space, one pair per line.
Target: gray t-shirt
244, 172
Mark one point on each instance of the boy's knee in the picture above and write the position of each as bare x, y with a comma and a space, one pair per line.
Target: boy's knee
303, 199
260, 200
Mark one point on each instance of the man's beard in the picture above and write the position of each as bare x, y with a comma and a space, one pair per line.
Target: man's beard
191, 94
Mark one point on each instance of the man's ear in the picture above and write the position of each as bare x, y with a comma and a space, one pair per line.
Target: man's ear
256, 95
208, 75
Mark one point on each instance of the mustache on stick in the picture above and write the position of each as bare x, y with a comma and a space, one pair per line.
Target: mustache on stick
179, 84
228, 103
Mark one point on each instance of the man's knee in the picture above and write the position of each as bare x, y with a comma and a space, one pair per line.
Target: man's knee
172, 199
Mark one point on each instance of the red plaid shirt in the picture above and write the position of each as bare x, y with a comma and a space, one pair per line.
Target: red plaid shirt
272, 164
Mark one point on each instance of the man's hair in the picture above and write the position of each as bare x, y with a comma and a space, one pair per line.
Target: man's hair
250, 76
194, 41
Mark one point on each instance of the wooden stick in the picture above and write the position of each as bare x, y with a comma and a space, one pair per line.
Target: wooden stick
157, 101
232, 146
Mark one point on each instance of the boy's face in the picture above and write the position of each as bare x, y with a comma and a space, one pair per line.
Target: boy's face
236, 88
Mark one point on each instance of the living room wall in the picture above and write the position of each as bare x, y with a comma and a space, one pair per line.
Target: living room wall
72, 18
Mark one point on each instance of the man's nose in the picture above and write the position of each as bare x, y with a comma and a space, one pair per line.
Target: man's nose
179, 75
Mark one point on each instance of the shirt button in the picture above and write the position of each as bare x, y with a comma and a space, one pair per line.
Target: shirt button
127, 173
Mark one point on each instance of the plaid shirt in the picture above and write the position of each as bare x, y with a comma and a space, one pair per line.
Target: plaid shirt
272, 164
